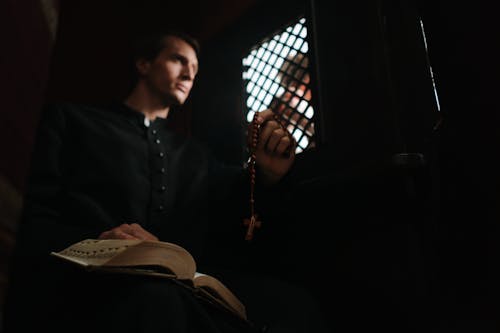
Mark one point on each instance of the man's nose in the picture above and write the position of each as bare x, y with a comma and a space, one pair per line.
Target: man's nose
188, 73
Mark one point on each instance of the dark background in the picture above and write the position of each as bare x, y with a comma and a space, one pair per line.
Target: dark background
407, 243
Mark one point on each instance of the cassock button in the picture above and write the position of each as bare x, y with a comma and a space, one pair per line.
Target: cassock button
158, 141
154, 131
161, 154
162, 170
163, 188
160, 207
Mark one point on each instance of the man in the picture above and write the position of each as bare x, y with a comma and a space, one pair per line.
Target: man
167, 80
118, 172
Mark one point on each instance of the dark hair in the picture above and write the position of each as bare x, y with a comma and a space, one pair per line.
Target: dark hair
148, 46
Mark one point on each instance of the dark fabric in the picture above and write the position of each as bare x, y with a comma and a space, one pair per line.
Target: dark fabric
77, 301
277, 305
94, 168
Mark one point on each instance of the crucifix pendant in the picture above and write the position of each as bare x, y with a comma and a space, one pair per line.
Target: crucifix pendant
251, 224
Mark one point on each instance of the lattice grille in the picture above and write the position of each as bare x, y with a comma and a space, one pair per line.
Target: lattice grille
276, 76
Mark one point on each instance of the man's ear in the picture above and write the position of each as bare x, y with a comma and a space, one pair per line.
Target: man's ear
142, 66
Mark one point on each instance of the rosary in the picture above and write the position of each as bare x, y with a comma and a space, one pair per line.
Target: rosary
252, 222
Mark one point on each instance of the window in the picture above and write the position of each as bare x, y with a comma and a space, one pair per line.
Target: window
276, 76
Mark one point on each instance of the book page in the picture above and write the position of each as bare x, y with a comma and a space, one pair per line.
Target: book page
216, 289
91, 252
169, 256
159, 257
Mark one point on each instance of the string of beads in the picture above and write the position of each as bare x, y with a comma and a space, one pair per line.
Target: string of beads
253, 222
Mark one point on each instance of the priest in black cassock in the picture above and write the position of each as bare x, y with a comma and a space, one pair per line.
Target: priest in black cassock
117, 171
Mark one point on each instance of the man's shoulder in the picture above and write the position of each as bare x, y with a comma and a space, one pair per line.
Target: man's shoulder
74, 107
75, 110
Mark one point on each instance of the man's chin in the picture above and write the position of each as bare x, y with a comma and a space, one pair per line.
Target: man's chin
174, 100
179, 98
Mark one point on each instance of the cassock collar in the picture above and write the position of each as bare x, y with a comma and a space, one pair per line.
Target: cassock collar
137, 116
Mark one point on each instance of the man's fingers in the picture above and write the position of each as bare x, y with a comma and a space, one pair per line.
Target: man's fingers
264, 116
128, 231
275, 139
266, 131
141, 233
284, 146
123, 235
115, 233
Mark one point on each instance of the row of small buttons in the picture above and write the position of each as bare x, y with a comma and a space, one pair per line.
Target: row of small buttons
162, 170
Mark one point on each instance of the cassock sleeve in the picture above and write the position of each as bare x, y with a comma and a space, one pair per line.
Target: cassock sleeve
42, 228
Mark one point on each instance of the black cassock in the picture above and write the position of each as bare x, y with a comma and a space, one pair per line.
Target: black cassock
94, 168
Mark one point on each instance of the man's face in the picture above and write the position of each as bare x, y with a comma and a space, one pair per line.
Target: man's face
171, 74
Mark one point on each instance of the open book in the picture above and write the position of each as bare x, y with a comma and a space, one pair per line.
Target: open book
152, 258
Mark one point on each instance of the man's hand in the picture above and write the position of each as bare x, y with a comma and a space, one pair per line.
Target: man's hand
275, 151
128, 231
